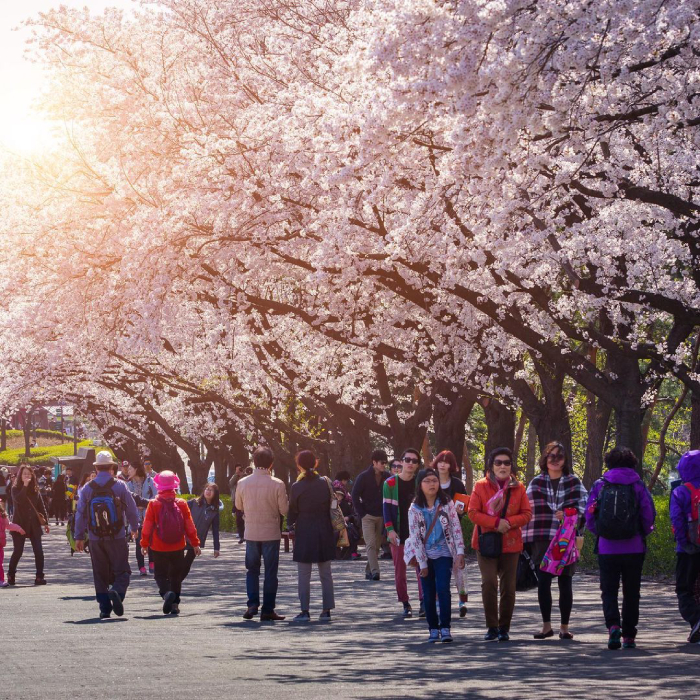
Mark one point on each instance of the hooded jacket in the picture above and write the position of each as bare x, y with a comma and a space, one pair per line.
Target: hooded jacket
647, 512
689, 470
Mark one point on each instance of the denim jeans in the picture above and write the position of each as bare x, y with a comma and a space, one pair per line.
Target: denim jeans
438, 582
269, 552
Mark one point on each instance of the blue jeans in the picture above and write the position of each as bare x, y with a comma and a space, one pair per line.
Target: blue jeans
437, 582
269, 552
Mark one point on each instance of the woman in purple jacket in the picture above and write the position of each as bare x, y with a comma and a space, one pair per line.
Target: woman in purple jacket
620, 511
687, 552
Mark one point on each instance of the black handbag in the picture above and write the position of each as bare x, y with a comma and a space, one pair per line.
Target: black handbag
491, 543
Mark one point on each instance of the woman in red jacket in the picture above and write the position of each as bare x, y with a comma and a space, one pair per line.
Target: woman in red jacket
167, 521
499, 507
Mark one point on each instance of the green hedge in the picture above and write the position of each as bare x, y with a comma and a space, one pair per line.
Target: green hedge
661, 549
227, 523
41, 432
41, 456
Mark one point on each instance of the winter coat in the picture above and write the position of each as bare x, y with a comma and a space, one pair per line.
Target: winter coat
205, 517
390, 504
518, 513
310, 516
418, 529
689, 470
647, 512
149, 533
263, 499
23, 514
367, 495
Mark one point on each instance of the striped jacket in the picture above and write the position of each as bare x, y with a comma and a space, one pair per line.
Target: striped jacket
390, 505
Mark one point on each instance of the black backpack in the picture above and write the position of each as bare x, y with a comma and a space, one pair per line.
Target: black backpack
617, 512
106, 518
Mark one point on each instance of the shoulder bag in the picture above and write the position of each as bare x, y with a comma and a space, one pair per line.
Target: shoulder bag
337, 517
491, 543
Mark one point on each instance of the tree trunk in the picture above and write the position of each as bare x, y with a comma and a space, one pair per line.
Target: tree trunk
27, 433
451, 408
597, 421
500, 424
552, 421
695, 421
3, 435
531, 453
468, 470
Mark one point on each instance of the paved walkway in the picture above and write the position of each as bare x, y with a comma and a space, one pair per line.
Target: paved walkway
51, 639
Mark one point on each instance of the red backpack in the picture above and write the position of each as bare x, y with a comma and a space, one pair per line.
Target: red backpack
694, 522
170, 525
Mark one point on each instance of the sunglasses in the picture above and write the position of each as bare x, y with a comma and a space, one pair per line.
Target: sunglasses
501, 462
411, 460
555, 457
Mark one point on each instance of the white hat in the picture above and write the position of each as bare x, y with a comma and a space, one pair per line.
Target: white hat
103, 459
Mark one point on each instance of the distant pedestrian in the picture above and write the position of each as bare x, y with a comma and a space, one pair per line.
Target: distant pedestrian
60, 504
263, 499
29, 512
367, 497
5, 525
143, 489
621, 512
551, 493
102, 506
499, 508
239, 474
205, 514
314, 539
436, 545
167, 523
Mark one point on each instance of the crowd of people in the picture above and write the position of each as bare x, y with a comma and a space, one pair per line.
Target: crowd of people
416, 509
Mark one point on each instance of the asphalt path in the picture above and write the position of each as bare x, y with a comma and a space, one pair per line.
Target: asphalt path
54, 646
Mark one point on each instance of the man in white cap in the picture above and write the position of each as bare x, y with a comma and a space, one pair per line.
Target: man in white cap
102, 504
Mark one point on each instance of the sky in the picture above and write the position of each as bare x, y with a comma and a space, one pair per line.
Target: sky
21, 130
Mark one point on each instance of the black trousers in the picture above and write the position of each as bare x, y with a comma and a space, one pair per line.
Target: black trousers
168, 568
627, 567
18, 543
687, 572
544, 596
60, 509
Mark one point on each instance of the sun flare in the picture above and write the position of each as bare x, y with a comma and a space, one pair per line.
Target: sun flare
27, 134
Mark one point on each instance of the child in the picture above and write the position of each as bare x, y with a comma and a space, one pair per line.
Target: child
434, 545
620, 511
168, 519
5, 525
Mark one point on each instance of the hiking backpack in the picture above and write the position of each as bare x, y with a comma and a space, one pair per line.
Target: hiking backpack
170, 525
617, 514
105, 510
694, 520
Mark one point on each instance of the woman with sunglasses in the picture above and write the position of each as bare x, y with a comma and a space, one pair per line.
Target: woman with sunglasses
499, 509
550, 493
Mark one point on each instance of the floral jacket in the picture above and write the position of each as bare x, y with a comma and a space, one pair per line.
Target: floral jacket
415, 544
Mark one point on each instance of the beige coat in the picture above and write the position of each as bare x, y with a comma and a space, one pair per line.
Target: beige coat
262, 498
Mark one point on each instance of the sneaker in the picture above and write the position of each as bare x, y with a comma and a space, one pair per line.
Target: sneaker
368, 575
104, 615
143, 571
434, 636
491, 634
614, 638
629, 643
325, 616
151, 567
175, 610
407, 610
168, 602
303, 616
116, 601
462, 609
503, 636
694, 636
375, 577
446, 634
421, 609
4, 584
355, 556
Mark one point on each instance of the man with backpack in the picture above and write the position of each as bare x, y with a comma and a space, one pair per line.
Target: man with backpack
102, 504
685, 504
620, 512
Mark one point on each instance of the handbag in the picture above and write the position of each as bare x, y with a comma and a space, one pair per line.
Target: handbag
343, 539
42, 520
491, 543
413, 561
526, 577
337, 517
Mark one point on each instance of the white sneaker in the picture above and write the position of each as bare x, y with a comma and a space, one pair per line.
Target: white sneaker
434, 636
4, 584
446, 634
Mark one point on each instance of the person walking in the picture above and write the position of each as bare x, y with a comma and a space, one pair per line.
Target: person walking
102, 506
5, 525
499, 508
205, 515
314, 539
367, 497
143, 489
685, 502
398, 493
263, 500
29, 512
60, 504
436, 545
445, 464
621, 513
167, 523
239, 474
554, 490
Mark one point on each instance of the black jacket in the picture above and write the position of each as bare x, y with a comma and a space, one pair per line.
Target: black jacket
310, 516
366, 495
23, 514
456, 486
205, 517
